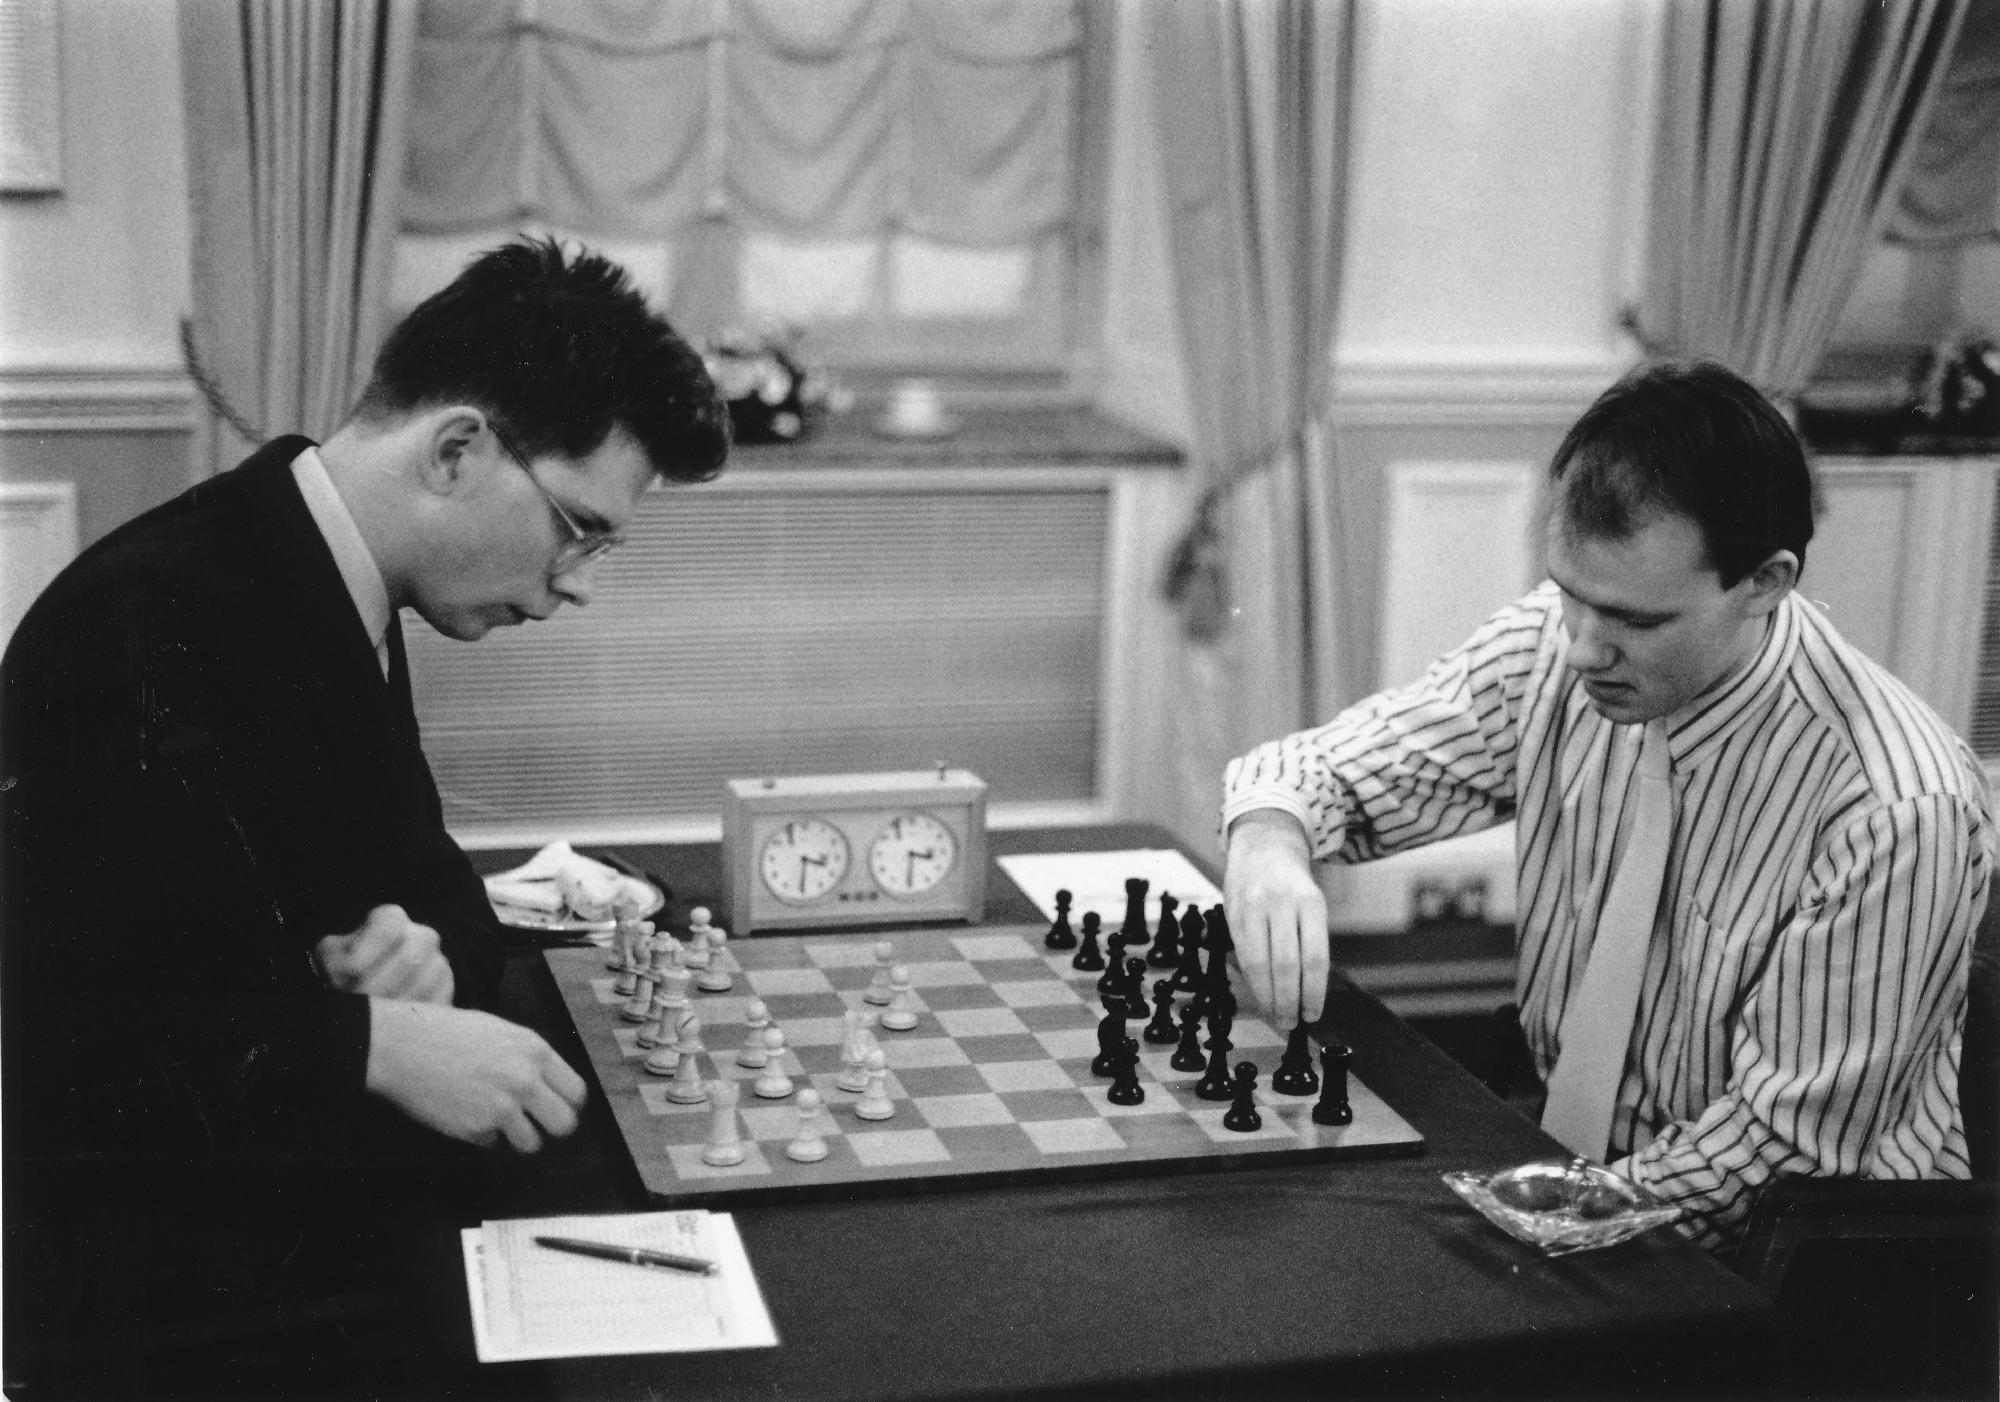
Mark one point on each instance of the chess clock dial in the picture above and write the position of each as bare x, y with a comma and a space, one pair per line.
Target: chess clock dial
830, 850
803, 860
912, 854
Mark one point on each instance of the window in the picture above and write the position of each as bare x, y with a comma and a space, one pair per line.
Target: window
908, 185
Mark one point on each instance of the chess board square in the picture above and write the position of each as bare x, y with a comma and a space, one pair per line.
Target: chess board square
1001, 945
723, 1058
906, 1052
1069, 1044
1030, 1106
1053, 1017
971, 995
686, 1159
1021, 1046
998, 1144
1037, 993
764, 952
779, 1120
850, 953
950, 1111
606, 992
814, 1031
1157, 1101
1073, 1136
1248, 1032
943, 973
719, 1009
1209, 1118
1025, 1075
941, 1080
890, 1147
1059, 961
653, 1094
980, 1022
827, 1084
772, 983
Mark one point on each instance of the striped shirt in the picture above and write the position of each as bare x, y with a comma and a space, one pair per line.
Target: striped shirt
1805, 989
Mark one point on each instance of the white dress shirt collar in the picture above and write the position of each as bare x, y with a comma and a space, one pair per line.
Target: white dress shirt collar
357, 566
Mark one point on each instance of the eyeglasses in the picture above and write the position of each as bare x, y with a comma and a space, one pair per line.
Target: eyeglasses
585, 547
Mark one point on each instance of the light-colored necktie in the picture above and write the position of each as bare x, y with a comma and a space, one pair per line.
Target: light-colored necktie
1597, 1029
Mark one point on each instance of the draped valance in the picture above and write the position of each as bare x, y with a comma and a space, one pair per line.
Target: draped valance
824, 118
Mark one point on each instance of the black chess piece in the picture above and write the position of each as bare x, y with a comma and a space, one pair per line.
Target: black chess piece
1215, 1083
1132, 987
1113, 978
1089, 957
1332, 1107
1166, 950
1134, 929
1218, 929
1187, 978
1111, 1039
1243, 1116
1187, 1056
1295, 1074
1161, 1029
1125, 1087
1060, 935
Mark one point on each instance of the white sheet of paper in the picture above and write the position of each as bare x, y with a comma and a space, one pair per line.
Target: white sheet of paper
531, 1302
1096, 881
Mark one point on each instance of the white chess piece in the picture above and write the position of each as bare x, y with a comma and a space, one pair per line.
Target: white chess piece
725, 1140
674, 987
774, 1084
715, 978
659, 1031
700, 937
807, 1145
901, 1014
854, 1051
878, 987
875, 1103
641, 1006
688, 1088
753, 1055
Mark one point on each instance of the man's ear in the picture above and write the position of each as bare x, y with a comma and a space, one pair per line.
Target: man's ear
1765, 587
450, 441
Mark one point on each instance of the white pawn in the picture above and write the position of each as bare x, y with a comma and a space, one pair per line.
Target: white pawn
641, 1006
715, 978
878, 987
700, 934
688, 1088
901, 1014
725, 1140
875, 1103
674, 987
659, 1032
854, 1051
774, 1084
667, 1048
807, 1146
753, 1055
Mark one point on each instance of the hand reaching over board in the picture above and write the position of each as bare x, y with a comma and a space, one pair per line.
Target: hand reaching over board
1279, 916
470, 1075
389, 956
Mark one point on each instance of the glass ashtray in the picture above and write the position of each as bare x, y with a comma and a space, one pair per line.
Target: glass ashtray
1562, 1205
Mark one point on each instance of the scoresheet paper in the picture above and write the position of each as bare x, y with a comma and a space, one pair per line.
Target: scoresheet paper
531, 1302
1096, 881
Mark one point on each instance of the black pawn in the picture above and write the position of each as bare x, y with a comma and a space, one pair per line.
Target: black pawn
1187, 1056
1187, 978
1125, 1087
1134, 929
1113, 979
1295, 1074
1332, 1107
1111, 1039
1243, 1116
1060, 935
1218, 930
1161, 1029
1135, 987
1089, 958
1166, 950
1215, 1083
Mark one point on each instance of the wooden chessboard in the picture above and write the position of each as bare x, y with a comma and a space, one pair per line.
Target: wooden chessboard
994, 1082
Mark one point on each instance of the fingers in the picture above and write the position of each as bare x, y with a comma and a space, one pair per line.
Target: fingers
389, 956
519, 1132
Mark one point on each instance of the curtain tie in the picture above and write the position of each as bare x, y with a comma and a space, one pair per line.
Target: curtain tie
1597, 1028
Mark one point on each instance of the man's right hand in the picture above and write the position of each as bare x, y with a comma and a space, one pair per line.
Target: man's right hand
470, 1075
1277, 915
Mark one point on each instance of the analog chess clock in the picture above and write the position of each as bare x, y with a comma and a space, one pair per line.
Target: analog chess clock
825, 850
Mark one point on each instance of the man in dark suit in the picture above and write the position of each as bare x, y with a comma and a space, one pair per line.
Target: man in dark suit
245, 965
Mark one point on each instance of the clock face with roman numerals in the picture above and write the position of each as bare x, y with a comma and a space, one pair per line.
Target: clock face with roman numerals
803, 860
912, 854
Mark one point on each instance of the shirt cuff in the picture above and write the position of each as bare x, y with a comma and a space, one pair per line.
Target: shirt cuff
1277, 796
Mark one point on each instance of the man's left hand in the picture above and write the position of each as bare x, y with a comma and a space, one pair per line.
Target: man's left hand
390, 956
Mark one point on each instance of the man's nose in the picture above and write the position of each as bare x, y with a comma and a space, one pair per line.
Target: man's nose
1588, 649
574, 586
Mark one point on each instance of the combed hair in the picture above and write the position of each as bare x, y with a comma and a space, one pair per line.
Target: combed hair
1690, 437
558, 348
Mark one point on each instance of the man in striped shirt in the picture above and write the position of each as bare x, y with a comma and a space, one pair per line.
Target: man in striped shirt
1801, 999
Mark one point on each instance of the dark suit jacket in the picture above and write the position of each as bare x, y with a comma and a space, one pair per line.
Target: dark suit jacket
204, 772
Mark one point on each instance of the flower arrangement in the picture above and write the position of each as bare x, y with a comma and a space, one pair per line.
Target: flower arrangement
1957, 385
772, 396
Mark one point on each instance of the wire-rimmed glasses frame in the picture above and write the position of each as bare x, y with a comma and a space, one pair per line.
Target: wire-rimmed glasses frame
585, 547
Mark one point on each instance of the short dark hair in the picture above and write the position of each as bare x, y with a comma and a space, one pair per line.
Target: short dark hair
1690, 437
559, 348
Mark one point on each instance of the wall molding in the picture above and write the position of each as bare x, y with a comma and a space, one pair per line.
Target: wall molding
1385, 392
96, 399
